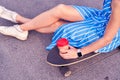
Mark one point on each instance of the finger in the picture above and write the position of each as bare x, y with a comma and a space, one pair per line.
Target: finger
63, 56
63, 52
71, 47
66, 51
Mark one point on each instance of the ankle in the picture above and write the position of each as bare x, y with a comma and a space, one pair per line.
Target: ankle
19, 28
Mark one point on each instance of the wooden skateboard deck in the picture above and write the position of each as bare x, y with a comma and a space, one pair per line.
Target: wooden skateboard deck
54, 59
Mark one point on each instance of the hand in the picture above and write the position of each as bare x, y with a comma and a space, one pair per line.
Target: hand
69, 53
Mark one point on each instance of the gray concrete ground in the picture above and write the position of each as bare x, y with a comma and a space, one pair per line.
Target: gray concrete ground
26, 60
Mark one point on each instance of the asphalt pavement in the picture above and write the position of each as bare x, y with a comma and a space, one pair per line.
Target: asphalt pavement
26, 60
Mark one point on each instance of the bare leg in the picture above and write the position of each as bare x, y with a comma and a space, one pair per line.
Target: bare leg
51, 16
21, 19
51, 28
48, 29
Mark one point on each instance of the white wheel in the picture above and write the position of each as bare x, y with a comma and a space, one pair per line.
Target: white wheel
68, 73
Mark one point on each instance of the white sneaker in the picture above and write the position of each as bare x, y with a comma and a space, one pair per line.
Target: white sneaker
14, 32
8, 14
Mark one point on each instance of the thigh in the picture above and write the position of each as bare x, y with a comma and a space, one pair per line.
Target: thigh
87, 12
74, 12
67, 12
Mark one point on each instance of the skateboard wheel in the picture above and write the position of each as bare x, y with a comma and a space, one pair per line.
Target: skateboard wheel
65, 71
68, 73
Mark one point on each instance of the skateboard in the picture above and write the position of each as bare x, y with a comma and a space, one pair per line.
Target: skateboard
54, 59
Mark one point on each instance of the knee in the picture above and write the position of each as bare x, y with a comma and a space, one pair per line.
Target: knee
60, 9
115, 4
61, 6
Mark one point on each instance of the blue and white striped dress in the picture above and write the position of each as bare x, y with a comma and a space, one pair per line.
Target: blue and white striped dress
85, 32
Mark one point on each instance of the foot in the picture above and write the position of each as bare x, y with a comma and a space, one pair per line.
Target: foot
8, 14
14, 32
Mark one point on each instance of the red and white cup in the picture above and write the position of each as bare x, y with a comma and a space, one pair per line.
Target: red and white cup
63, 44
